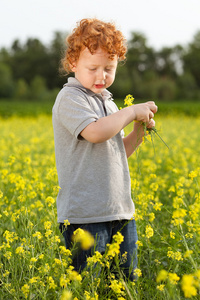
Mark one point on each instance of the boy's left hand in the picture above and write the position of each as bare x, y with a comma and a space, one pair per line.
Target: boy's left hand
139, 127
151, 123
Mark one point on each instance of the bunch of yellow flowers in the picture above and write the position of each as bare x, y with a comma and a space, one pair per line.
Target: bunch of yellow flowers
128, 101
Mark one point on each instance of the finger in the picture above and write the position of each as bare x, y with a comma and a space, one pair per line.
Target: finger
153, 107
151, 124
151, 115
151, 102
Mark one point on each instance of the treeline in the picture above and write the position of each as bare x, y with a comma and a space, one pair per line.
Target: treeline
31, 70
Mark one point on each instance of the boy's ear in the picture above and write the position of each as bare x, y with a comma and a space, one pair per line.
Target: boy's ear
73, 67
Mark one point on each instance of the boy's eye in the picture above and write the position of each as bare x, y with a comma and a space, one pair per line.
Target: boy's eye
92, 69
109, 69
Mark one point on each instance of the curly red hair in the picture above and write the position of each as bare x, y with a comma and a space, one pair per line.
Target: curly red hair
93, 33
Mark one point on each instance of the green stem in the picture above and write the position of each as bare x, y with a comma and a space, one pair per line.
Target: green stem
156, 132
186, 246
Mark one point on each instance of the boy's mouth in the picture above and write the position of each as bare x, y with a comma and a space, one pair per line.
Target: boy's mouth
99, 86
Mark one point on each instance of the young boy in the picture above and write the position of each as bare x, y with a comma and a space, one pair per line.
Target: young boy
91, 150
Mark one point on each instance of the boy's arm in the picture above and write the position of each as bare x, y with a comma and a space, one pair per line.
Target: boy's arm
135, 137
107, 127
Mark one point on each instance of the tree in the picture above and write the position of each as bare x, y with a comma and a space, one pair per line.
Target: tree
140, 60
55, 53
29, 60
168, 61
191, 58
38, 88
21, 90
140, 57
187, 85
6, 81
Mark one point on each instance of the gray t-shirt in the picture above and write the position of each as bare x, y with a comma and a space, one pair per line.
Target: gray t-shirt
94, 179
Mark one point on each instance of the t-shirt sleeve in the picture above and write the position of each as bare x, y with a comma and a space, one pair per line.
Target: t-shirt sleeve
75, 112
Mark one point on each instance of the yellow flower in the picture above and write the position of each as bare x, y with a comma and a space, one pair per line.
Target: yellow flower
149, 231
33, 280
193, 174
64, 280
66, 223
66, 295
48, 232
128, 101
174, 255
157, 206
154, 186
83, 237
157, 261
197, 274
88, 297
170, 253
113, 249
138, 272
25, 290
118, 238
151, 217
10, 236
187, 285
44, 269
51, 283
47, 225
138, 215
6, 273
20, 250
97, 257
178, 216
65, 251
173, 278
50, 201
57, 261
178, 256
171, 189
162, 276
188, 253
73, 275
172, 235
117, 286
160, 287
189, 235
139, 243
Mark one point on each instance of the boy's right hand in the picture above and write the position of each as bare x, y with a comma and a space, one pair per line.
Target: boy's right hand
144, 112
106, 127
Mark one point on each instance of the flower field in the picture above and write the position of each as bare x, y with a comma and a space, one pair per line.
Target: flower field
165, 186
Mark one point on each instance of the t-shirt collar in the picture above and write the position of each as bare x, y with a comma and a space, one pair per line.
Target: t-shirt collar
73, 82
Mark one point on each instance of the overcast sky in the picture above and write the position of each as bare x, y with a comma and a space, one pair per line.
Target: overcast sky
164, 23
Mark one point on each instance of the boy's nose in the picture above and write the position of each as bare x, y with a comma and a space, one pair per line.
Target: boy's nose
101, 75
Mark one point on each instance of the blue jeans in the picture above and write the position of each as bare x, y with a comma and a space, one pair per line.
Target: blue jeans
103, 234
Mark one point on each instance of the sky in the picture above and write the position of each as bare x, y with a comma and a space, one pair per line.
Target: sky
164, 23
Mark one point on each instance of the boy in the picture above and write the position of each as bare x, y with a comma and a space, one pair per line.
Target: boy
91, 151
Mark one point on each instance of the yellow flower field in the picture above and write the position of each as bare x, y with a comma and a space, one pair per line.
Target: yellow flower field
165, 187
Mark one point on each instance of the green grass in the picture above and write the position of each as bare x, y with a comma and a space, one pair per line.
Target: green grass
190, 108
14, 107
10, 108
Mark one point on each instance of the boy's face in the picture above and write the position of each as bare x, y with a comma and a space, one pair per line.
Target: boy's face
95, 72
